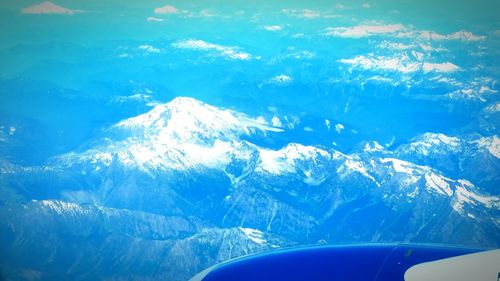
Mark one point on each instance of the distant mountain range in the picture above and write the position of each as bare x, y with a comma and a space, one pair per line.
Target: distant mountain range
167, 193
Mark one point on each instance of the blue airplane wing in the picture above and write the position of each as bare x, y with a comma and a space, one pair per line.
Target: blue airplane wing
330, 263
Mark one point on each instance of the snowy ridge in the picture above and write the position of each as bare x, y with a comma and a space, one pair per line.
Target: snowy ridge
492, 144
61, 207
225, 51
431, 142
402, 63
188, 135
253, 234
353, 164
285, 160
464, 194
440, 144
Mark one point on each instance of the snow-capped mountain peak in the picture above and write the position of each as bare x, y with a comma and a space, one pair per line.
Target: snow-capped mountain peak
189, 120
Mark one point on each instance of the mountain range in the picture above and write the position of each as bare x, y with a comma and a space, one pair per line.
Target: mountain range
185, 185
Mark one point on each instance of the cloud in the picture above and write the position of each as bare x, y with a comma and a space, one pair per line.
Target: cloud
153, 19
273, 27
363, 30
219, 50
403, 64
399, 31
207, 13
149, 49
167, 9
48, 7
365, 5
308, 14
461, 35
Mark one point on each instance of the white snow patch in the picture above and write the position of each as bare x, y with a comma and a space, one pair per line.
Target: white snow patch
438, 183
281, 79
465, 195
339, 127
373, 147
402, 63
363, 30
61, 207
226, 51
149, 49
273, 27
284, 160
328, 124
440, 67
276, 122
254, 234
492, 144
400, 166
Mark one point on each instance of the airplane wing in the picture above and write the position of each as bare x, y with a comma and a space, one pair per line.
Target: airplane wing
379, 262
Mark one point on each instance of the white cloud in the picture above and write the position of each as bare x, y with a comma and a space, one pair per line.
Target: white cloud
149, 49
153, 19
365, 5
403, 64
207, 13
167, 9
273, 27
308, 14
219, 50
363, 30
48, 7
399, 31
461, 35
298, 35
